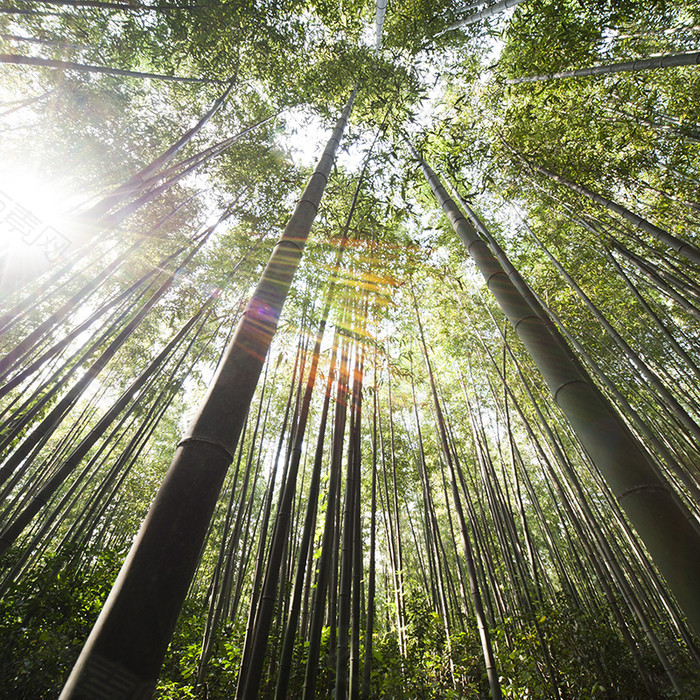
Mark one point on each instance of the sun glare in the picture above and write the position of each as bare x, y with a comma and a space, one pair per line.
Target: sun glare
32, 223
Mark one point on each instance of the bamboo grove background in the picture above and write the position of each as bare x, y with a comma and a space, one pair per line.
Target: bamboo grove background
407, 507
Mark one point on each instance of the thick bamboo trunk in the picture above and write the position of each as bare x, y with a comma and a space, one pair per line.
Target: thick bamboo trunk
662, 524
132, 633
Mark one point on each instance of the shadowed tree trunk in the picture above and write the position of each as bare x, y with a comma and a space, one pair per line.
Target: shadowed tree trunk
132, 633
662, 524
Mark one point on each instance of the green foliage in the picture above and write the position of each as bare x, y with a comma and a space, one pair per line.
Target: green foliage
592, 661
631, 137
425, 672
45, 618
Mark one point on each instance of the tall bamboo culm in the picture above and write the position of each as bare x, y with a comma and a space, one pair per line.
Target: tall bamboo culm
124, 652
661, 522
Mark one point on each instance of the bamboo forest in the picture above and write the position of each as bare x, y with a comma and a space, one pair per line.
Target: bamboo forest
349, 349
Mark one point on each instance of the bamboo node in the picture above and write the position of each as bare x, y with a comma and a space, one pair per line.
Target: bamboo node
291, 242
641, 487
208, 441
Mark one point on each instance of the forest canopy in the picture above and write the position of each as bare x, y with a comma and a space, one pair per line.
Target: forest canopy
349, 349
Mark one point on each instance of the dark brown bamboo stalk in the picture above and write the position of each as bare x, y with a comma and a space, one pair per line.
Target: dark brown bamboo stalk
357, 564
329, 530
371, 583
149, 592
347, 558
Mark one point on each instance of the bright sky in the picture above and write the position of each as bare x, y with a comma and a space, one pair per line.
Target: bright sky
32, 217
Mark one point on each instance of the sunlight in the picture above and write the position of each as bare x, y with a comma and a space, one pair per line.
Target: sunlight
32, 224
270, 380
304, 136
